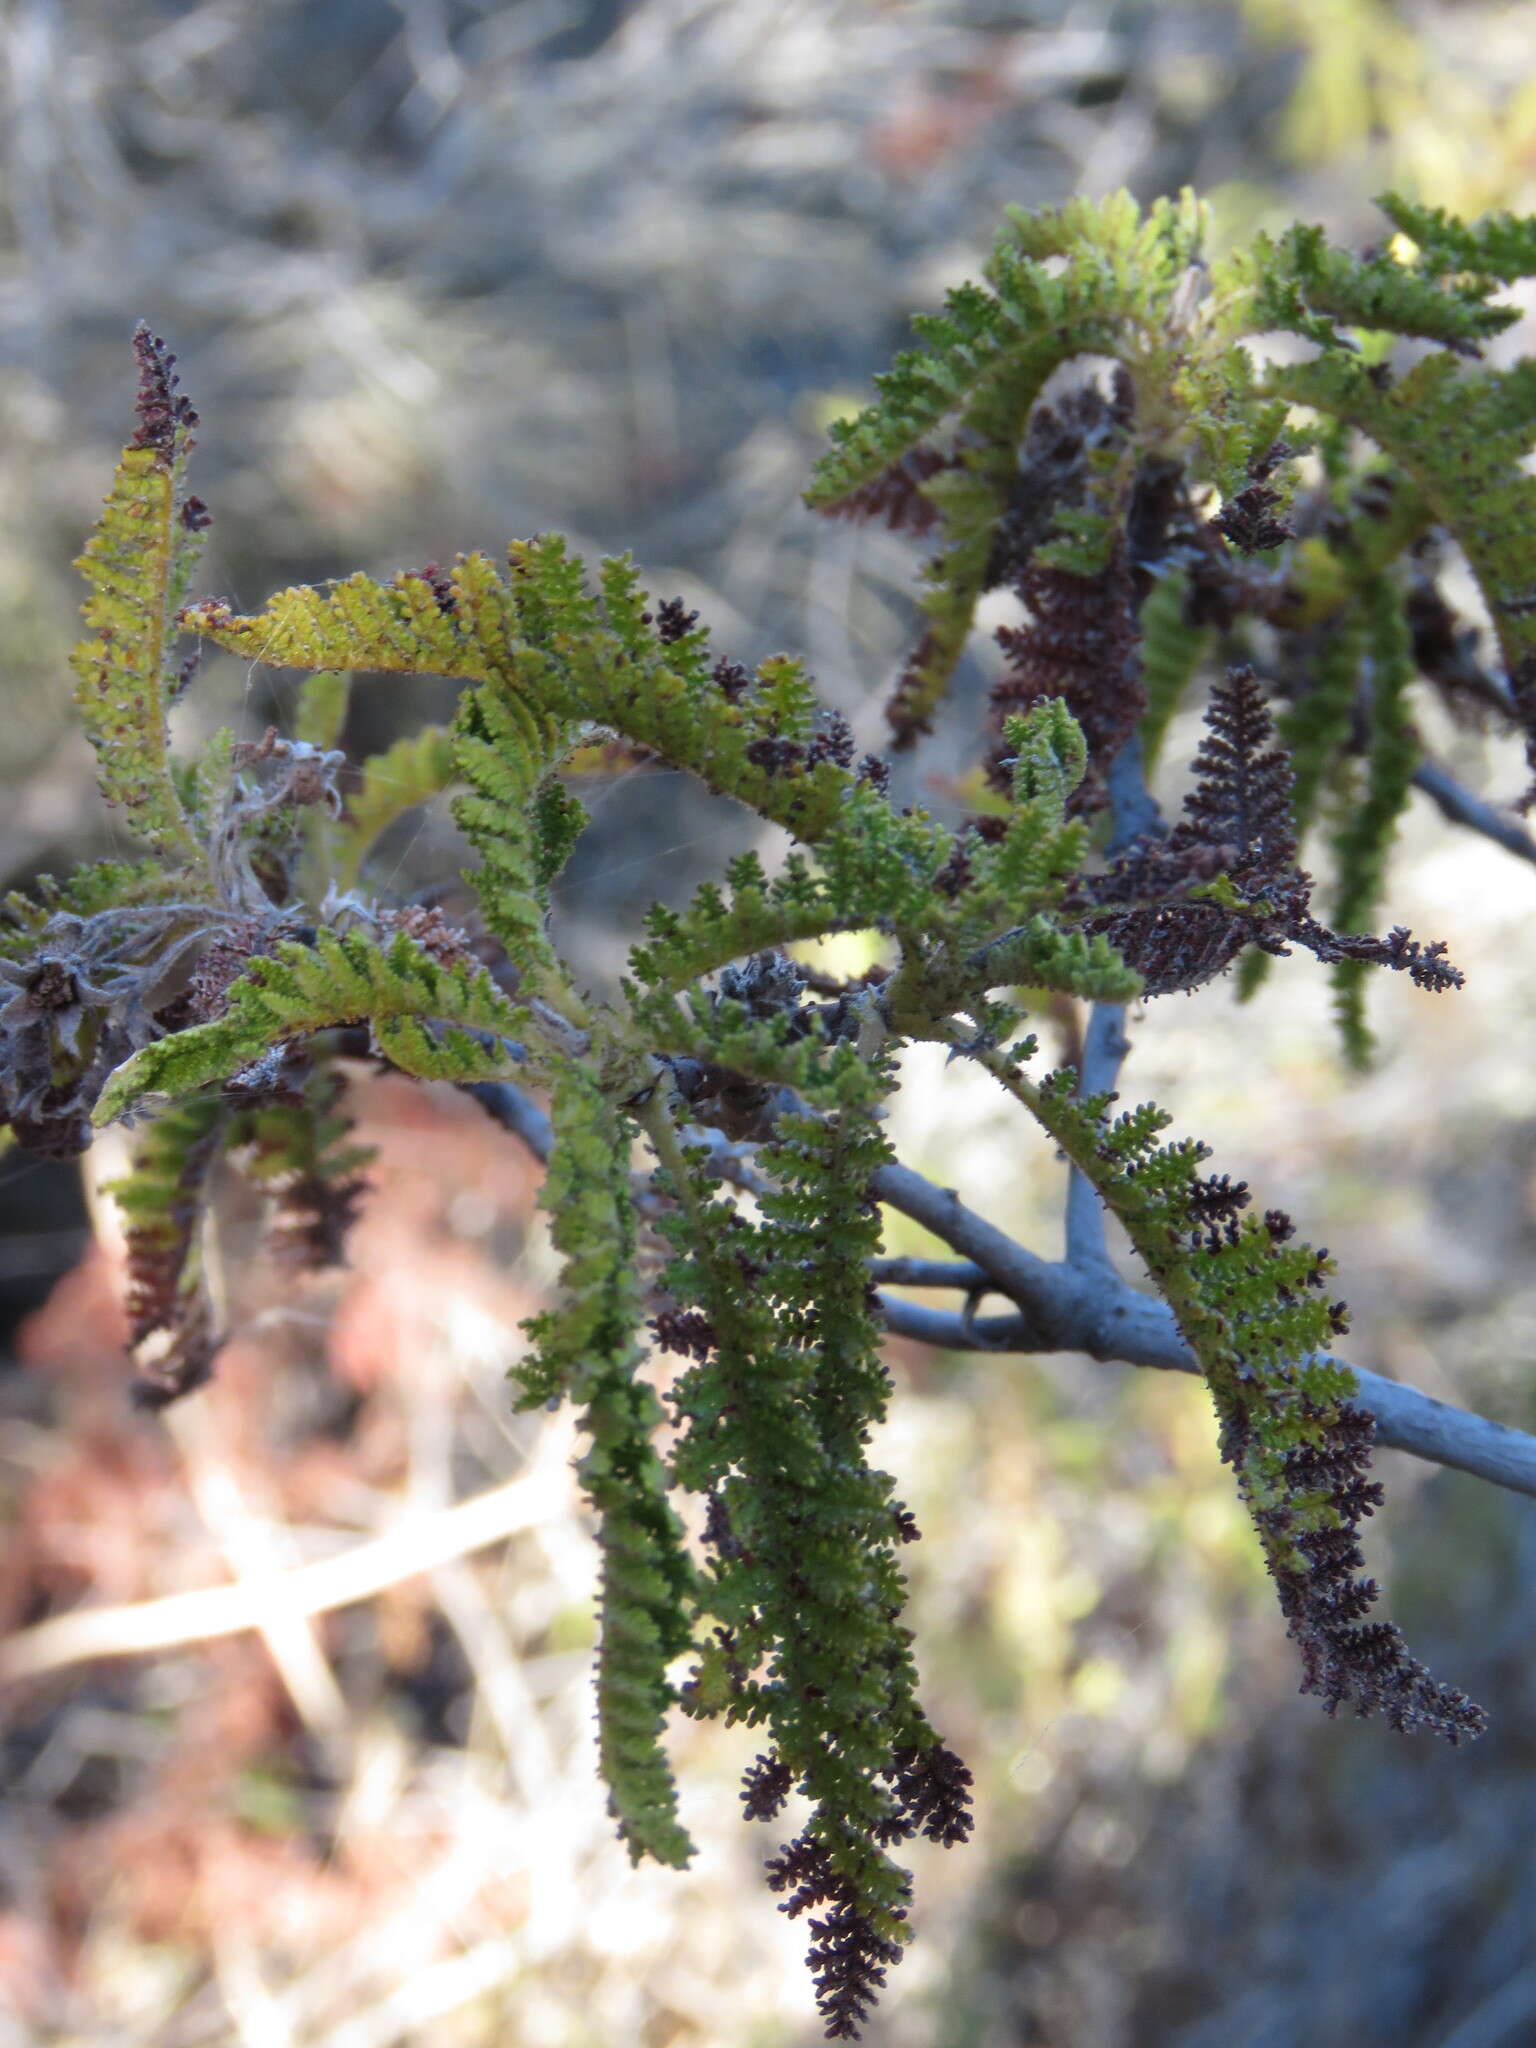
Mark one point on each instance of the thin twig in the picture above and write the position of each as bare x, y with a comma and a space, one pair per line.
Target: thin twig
1112, 1322
1132, 805
1462, 807
516, 1111
1134, 814
1021, 1275
416, 1543
1105, 1045
961, 1273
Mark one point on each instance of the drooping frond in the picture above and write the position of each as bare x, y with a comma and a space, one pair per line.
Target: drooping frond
505, 747
586, 1349
163, 1198
804, 1584
1017, 466
137, 563
970, 501
1252, 1305
435, 1020
1317, 725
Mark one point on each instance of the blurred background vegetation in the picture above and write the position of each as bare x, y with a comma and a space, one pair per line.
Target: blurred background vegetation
445, 271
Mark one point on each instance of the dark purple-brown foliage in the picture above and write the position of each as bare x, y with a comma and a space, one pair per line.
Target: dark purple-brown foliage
896, 497
1248, 519
1054, 473
1054, 470
161, 409
440, 582
732, 679
686, 1331
765, 1785
932, 1787
312, 1220
1078, 644
848, 1956
775, 756
1236, 825
674, 621
315, 1192
1346, 1660
170, 1317
833, 741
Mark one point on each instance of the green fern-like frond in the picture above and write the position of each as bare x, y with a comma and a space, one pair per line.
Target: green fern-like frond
751, 743
1095, 278
990, 352
1024, 868
875, 868
1304, 284
1039, 954
1500, 245
137, 564
421, 1011
403, 627
803, 1533
978, 336
1376, 517
970, 500
756, 915
1003, 930
586, 1349
1317, 726
565, 653
505, 747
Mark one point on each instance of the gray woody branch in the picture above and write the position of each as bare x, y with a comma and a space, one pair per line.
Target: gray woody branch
1087, 1308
